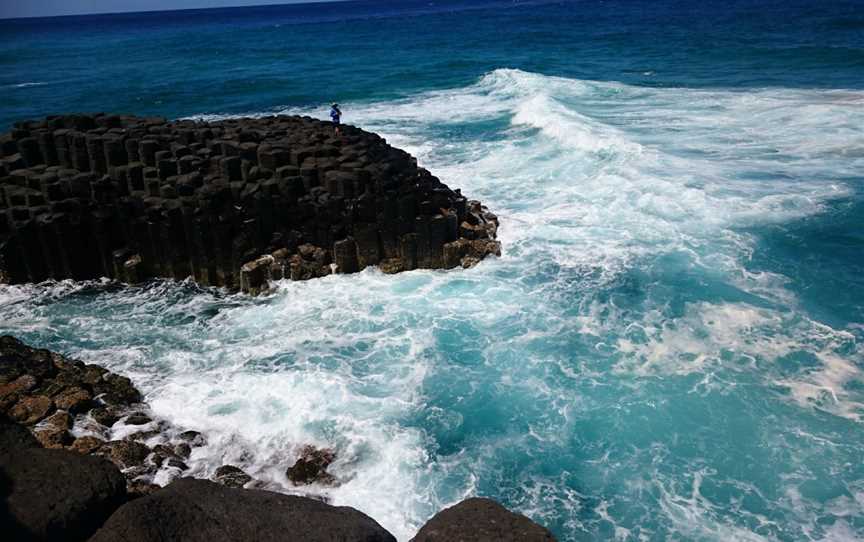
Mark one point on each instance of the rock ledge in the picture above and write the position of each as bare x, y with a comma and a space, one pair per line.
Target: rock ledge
234, 203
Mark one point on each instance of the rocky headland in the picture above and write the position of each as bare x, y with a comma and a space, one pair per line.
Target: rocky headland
234, 203
237, 204
64, 477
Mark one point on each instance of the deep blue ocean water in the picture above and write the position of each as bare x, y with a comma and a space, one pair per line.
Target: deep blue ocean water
670, 347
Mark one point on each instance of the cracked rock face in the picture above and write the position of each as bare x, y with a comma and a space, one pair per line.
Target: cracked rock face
235, 203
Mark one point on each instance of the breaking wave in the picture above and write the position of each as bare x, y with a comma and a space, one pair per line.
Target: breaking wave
619, 372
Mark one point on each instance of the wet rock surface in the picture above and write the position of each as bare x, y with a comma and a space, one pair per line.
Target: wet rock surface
68, 492
231, 476
311, 467
51, 394
125, 453
221, 513
234, 203
53, 494
481, 520
14, 437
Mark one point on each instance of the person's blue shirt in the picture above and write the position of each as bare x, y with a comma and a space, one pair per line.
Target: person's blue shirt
335, 114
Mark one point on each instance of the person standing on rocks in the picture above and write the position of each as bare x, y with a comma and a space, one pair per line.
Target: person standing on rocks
335, 116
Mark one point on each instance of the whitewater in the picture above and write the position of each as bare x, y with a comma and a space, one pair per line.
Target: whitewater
620, 372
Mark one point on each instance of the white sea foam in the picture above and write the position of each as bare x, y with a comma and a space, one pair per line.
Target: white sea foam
594, 181
25, 85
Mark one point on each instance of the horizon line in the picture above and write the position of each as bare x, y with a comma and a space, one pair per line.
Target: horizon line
162, 10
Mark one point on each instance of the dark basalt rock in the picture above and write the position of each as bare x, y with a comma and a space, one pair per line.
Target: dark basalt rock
125, 453
53, 494
183, 450
141, 489
31, 409
198, 510
194, 438
137, 418
13, 390
14, 437
104, 416
311, 467
481, 520
74, 399
86, 445
65, 494
166, 455
234, 203
117, 389
53, 432
231, 476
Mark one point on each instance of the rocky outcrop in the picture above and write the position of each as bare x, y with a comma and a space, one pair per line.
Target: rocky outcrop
199, 510
50, 394
53, 494
67, 492
42, 386
233, 203
481, 520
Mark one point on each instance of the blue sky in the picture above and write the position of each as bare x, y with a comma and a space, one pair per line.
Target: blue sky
46, 8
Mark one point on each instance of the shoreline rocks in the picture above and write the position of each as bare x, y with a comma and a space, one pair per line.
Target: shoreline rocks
481, 520
311, 467
62, 477
224, 513
234, 203
54, 494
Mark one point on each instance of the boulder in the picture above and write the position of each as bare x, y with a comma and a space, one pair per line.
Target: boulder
231, 476
53, 431
311, 467
74, 399
137, 418
104, 416
481, 520
125, 453
31, 409
86, 445
57, 494
60, 419
183, 450
194, 438
52, 436
15, 437
117, 389
202, 511
164, 455
17, 386
17, 359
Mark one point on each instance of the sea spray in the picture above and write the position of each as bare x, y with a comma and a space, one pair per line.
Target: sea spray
619, 371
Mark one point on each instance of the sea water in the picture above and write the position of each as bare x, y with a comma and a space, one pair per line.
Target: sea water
669, 347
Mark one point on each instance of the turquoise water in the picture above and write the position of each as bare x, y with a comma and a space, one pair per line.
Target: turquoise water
669, 347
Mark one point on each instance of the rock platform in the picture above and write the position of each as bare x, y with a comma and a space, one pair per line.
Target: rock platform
232, 203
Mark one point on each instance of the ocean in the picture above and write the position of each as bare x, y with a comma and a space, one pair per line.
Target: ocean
669, 347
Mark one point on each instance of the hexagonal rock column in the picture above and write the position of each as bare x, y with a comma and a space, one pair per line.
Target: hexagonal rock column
131, 198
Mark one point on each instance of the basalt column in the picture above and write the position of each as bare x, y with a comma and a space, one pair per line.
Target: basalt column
234, 203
